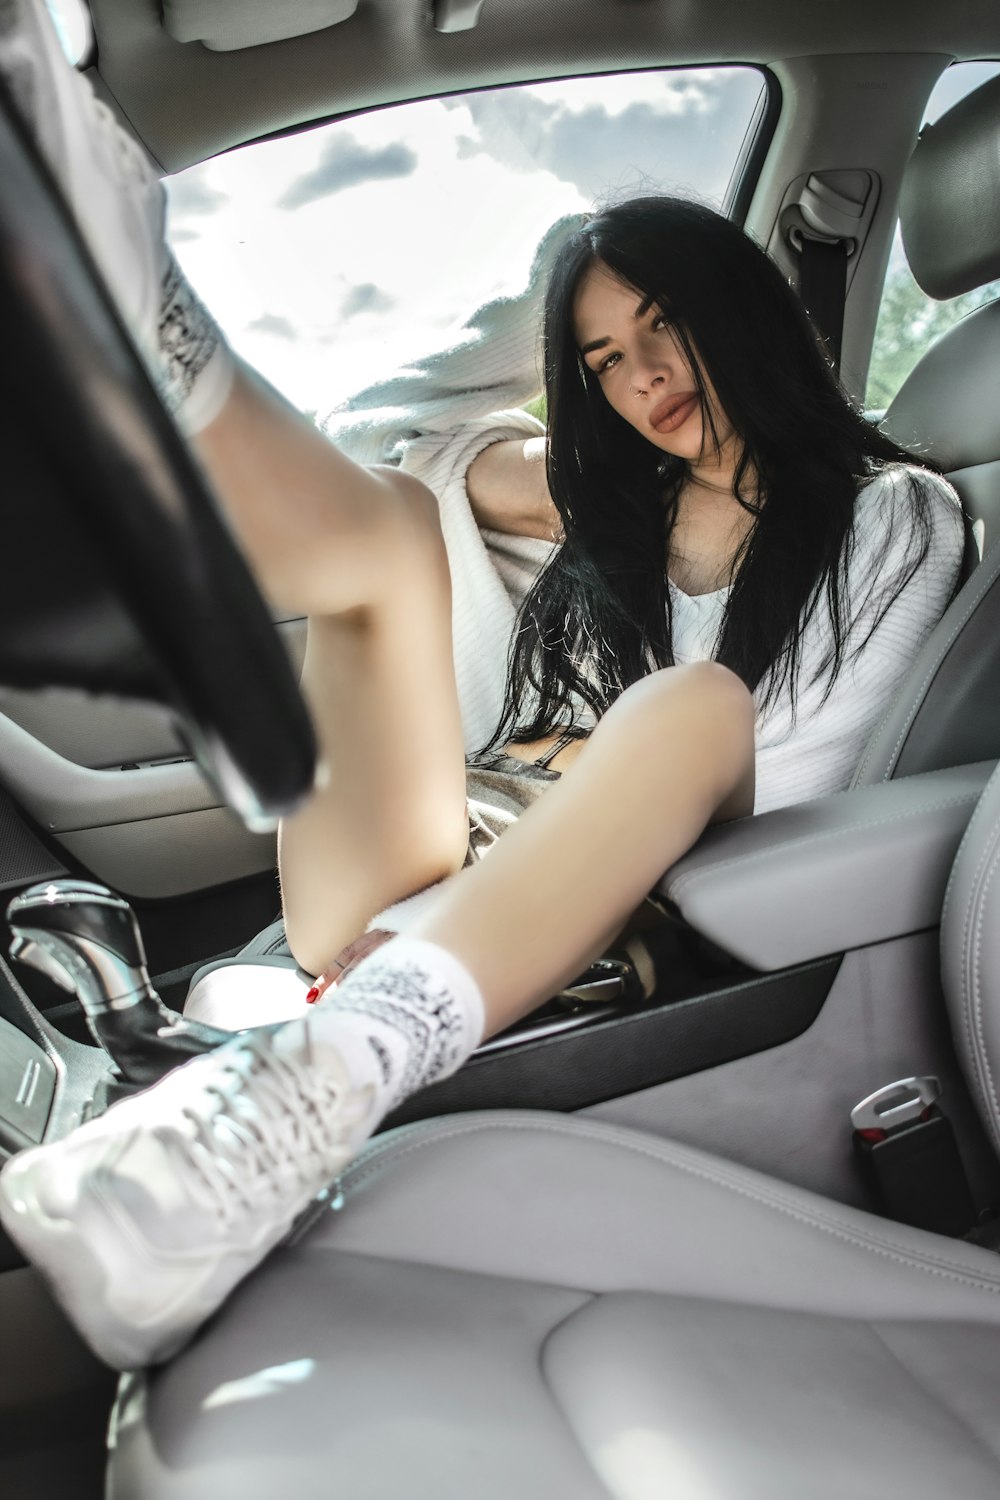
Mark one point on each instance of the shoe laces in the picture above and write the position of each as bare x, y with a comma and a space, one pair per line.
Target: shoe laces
265, 1123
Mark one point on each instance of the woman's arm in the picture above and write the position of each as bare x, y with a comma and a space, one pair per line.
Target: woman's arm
508, 490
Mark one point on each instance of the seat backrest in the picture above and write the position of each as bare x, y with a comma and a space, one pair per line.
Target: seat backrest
970, 956
947, 711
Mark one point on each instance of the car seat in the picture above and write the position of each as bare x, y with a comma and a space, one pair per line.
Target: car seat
530, 1305
947, 710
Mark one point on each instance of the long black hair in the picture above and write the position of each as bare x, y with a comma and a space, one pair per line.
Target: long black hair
598, 617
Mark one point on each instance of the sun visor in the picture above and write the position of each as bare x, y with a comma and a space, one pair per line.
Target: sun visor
949, 208
231, 25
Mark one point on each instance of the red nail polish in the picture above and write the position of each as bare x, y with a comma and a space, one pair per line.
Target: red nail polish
318, 990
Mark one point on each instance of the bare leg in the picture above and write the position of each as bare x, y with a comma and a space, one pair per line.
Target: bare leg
675, 753
147, 1216
277, 1112
360, 552
357, 550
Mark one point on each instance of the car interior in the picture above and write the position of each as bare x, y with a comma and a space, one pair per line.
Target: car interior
699, 1226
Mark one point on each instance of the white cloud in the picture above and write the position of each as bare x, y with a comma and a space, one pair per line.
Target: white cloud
675, 92
273, 324
344, 163
365, 298
415, 254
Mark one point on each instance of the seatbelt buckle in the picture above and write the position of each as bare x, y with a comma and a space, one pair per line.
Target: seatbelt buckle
895, 1105
908, 1154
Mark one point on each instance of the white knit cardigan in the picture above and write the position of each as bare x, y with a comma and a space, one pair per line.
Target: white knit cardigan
434, 418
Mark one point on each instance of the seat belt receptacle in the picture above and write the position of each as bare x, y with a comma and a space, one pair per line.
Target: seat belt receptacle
909, 1157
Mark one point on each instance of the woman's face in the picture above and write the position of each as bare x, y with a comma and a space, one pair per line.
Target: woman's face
642, 369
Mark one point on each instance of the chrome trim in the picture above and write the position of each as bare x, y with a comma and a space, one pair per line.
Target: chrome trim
100, 978
551, 1026
29, 1083
896, 1104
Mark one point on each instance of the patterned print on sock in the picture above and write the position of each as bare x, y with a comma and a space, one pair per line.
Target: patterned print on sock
382, 1057
187, 337
408, 999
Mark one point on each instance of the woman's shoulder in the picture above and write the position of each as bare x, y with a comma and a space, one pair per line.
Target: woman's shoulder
901, 494
901, 485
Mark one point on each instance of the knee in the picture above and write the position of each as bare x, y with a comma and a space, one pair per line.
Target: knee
704, 697
699, 683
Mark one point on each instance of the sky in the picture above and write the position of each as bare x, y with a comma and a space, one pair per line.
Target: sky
332, 257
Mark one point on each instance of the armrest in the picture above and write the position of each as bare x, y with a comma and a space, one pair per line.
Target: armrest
859, 867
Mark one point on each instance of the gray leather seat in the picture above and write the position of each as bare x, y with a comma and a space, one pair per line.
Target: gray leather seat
947, 711
534, 1306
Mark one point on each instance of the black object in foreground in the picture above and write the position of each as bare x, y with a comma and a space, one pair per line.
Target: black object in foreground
117, 573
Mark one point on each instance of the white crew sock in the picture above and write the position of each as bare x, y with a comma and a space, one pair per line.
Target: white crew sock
408, 1015
194, 364
115, 195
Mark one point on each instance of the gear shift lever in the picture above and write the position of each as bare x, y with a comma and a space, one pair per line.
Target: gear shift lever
86, 939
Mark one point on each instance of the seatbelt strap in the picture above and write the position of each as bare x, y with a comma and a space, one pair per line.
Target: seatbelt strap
823, 290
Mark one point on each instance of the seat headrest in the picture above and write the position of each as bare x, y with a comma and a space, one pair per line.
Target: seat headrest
949, 208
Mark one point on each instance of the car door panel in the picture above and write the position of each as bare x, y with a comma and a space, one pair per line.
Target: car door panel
111, 783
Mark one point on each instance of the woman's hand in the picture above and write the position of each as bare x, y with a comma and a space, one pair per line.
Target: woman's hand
508, 490
347, 959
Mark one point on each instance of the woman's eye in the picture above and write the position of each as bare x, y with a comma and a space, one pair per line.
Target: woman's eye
608, 363
660, 323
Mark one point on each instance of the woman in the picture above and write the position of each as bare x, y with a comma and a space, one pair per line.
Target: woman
717, 498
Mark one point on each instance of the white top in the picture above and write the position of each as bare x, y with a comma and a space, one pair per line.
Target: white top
438, 414
817, 750
696, 620
813, 755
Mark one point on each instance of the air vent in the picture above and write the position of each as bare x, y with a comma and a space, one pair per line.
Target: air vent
231, 25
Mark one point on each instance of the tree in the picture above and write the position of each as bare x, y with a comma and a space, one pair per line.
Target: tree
908, 323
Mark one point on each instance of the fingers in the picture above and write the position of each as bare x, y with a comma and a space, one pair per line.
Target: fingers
347, 959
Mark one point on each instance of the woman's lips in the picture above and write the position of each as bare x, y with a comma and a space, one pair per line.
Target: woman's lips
673, 412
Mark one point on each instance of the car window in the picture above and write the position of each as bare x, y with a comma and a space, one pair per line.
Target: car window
334, 256
909, 321
71, 19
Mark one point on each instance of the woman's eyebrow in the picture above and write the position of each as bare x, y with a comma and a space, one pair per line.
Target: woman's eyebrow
640, 312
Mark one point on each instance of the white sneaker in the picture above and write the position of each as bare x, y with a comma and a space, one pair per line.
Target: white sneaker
107, 180
237, 995
145, 1219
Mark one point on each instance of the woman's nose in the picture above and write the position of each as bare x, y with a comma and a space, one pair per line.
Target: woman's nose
646, 377
650, 368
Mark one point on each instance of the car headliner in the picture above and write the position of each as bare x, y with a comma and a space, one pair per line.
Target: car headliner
188, 102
